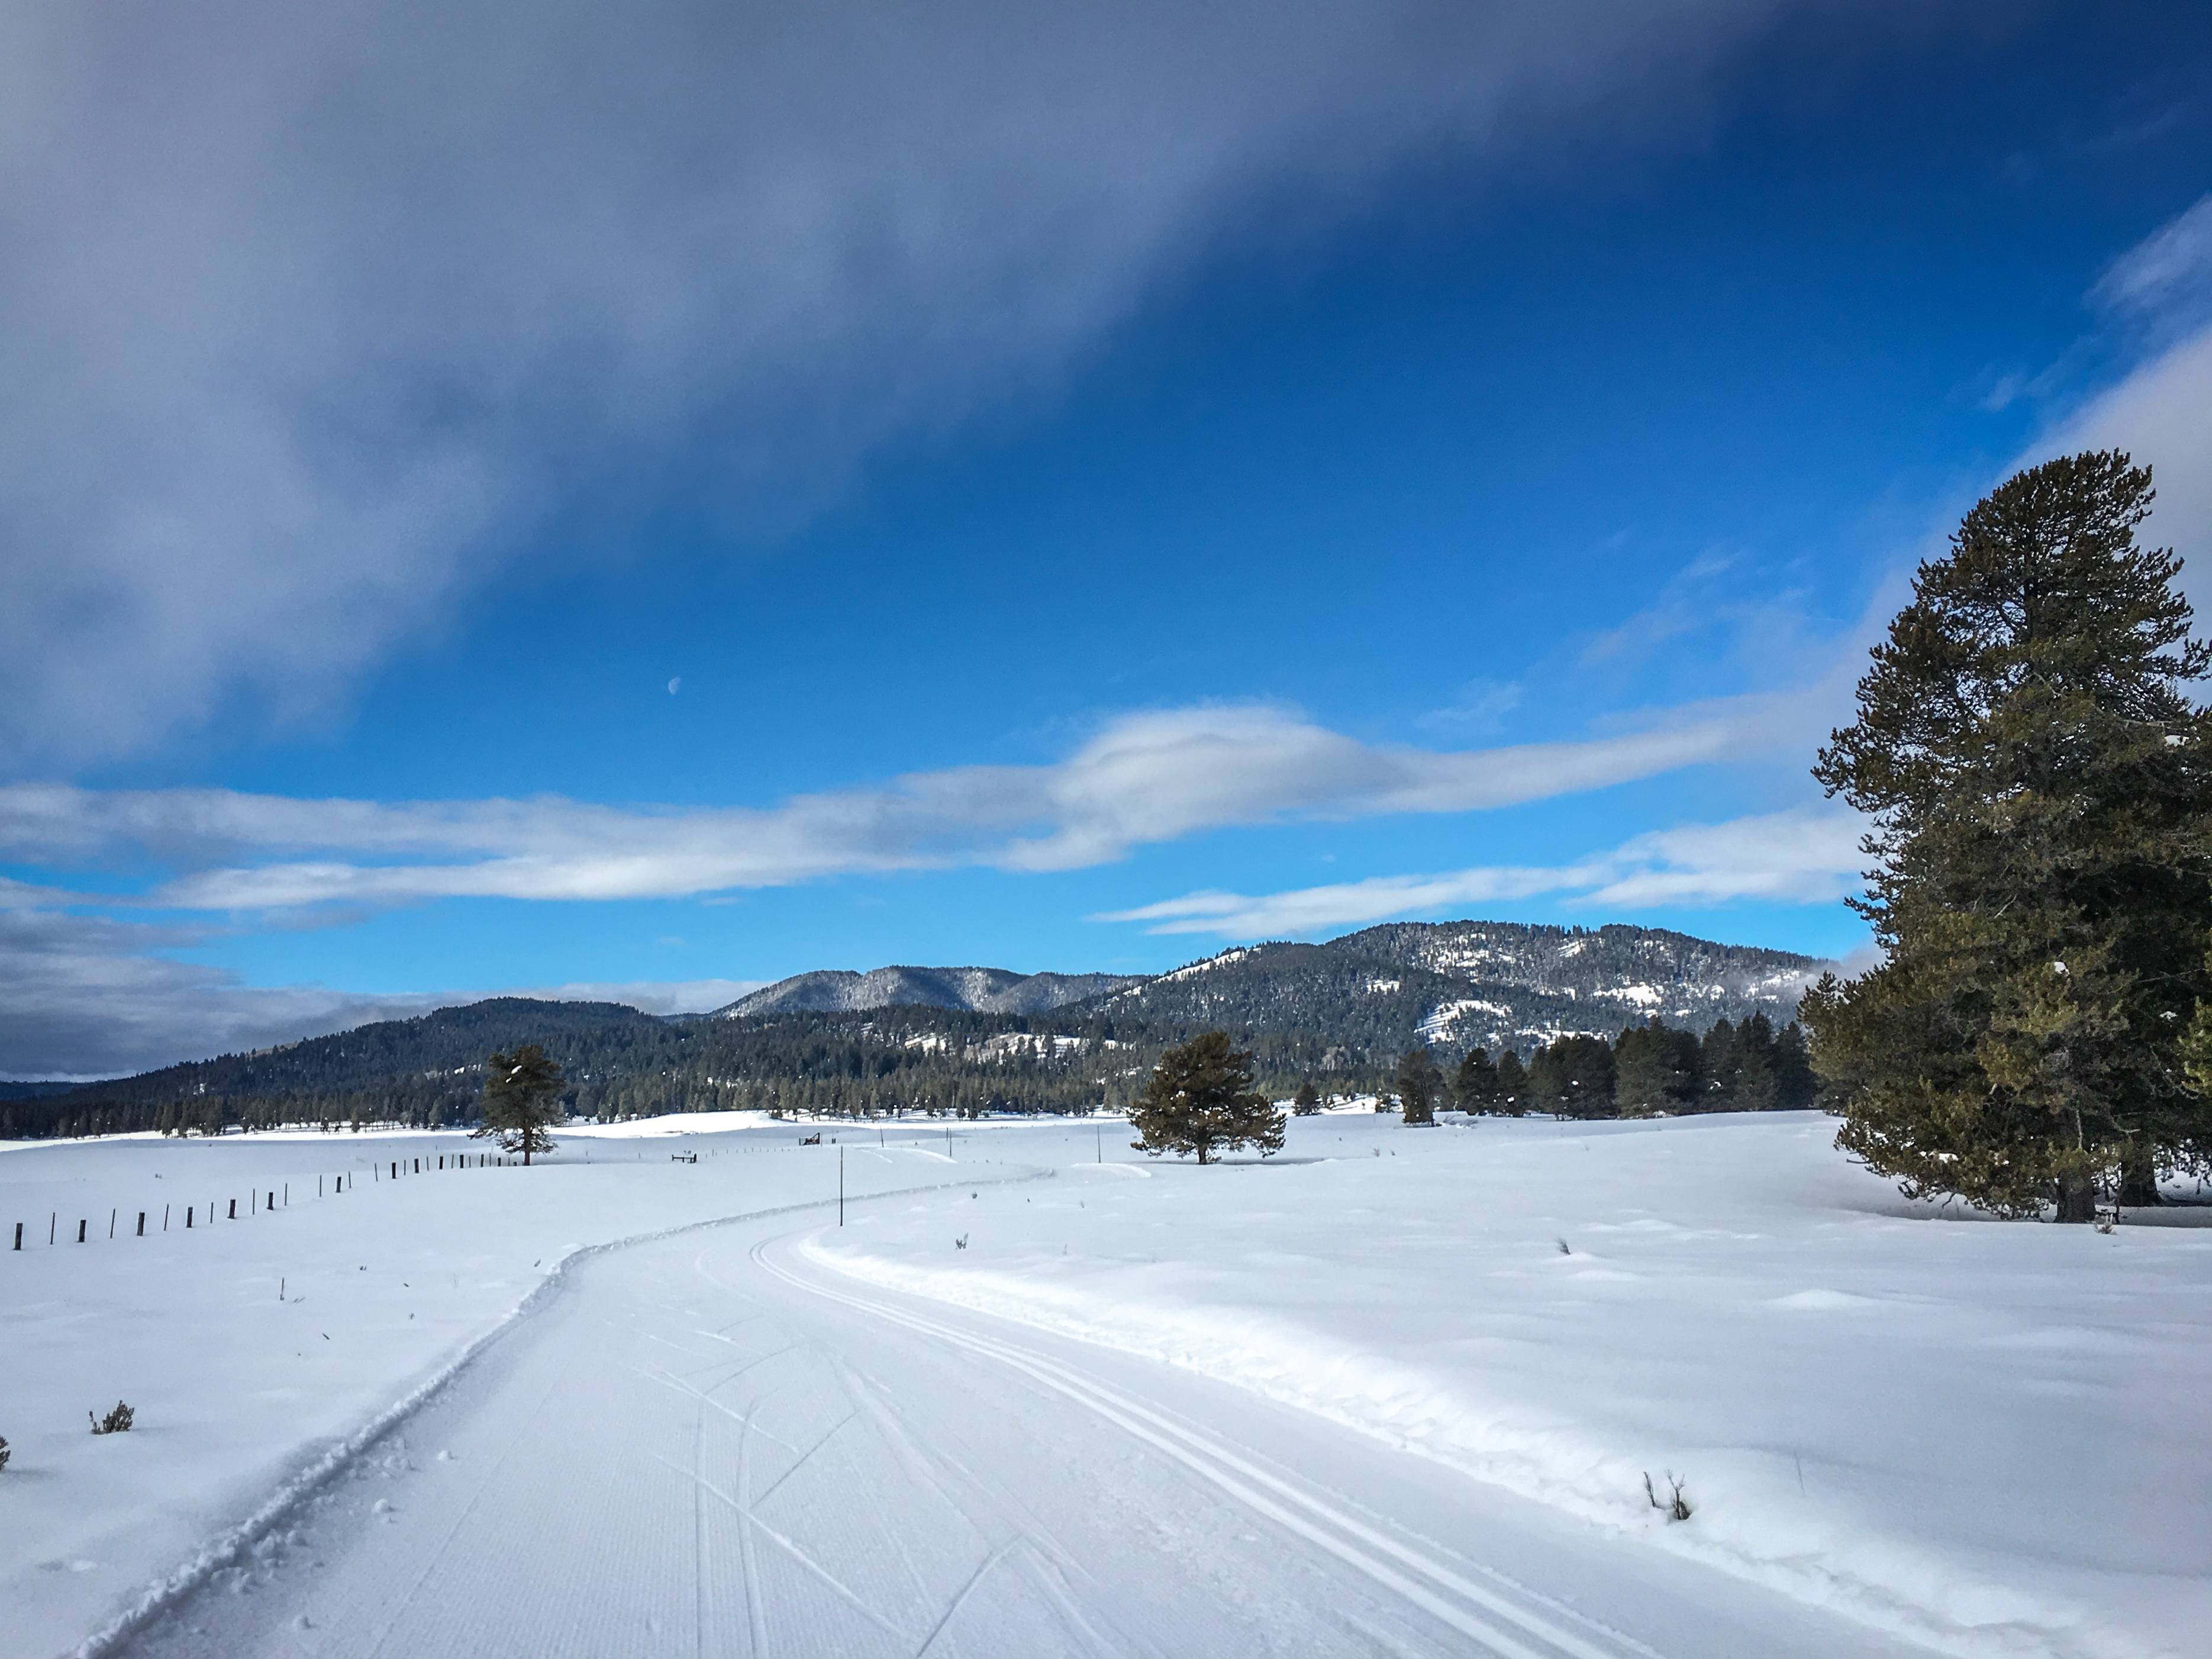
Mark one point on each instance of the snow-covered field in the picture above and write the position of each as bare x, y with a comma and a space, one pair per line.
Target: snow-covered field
1978, 1437
238, 1394
1972, 1433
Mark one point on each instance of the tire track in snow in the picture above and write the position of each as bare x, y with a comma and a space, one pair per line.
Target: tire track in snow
1506, 1629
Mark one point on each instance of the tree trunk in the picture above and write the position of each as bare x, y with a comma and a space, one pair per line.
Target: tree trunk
2138, 1177
2076, 1198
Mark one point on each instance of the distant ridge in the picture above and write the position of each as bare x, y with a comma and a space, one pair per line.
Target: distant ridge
980, 990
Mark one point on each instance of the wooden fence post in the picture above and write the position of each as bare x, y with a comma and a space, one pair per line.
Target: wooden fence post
141, 1224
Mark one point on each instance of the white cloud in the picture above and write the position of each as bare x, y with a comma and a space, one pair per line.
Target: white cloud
1805, 856
310, 315
2161, 415
1145, 778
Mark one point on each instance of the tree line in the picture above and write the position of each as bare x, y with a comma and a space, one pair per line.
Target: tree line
1647, 1070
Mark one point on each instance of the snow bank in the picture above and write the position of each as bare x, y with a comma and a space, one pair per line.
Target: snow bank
1961, 1430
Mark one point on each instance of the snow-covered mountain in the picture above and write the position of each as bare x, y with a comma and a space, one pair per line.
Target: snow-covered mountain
1453, 984
984, 990
1456, 984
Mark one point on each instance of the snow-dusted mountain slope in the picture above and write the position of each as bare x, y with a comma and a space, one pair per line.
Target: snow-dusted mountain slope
983, 990
1459, 983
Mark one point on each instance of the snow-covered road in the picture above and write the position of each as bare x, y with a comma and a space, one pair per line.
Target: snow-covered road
712, 1444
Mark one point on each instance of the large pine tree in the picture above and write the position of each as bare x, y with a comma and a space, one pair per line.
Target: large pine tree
2039, 782
522, 1101
1200, 1099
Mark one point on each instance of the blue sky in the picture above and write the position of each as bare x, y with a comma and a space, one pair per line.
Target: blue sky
1055, 495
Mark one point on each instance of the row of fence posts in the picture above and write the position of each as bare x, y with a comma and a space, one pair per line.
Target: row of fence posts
278, 1197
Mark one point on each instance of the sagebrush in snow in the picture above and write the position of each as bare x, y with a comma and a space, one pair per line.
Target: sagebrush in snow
1674, 1506
116, 1422
4, 1453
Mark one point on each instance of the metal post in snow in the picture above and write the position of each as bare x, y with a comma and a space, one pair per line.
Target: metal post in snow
141, 1224
110, 1224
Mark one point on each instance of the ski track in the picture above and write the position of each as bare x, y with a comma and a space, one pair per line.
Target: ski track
331, 1462
710, 1449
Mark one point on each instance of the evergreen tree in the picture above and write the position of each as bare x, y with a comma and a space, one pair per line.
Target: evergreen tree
1307, 1100
521, 1101
1656, 1069
1752, 1088
1716, 1061
1200, 1099
1512, 1085
1572, 1076
2039, 780
1794, 1086
1475, 1085
1420, 1083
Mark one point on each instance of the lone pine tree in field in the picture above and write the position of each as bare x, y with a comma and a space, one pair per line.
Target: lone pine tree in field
521, 1101
1200, 1099
1307, 1100
1421, 1082
2041, 789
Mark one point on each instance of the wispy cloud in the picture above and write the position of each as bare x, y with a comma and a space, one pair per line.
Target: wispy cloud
93, 996
1806, 856
2161, 411
1143, 779
2167, 277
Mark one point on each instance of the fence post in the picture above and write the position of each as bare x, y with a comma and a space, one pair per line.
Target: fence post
165, 1218
19, 1235
234, 1209
272, 1201
188, 1218
141, 1224
52, 1217
80, 1229
110, 1224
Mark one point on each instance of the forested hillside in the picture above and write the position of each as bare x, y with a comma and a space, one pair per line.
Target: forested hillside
1341, 1014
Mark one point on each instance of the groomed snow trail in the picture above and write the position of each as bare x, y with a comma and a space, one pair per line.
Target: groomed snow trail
705, 1445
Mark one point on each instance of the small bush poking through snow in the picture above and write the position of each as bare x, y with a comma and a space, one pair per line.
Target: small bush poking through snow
1674, 1506
116, 1422
4, 1453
